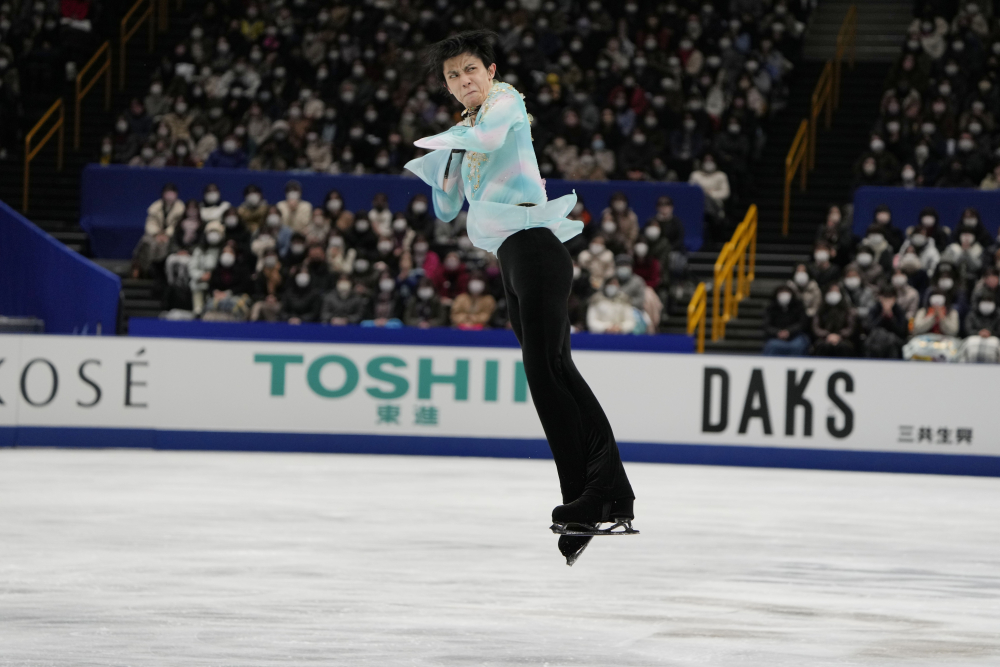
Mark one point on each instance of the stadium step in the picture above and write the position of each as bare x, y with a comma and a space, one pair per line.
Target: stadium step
881, 29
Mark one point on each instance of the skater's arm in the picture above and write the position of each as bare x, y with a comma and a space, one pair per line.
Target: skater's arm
442, 170
485, 137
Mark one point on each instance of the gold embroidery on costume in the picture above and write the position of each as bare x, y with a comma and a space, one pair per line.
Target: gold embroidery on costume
477, 160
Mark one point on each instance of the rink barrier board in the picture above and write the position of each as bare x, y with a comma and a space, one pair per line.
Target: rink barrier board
906, 204
151, 327
322, 443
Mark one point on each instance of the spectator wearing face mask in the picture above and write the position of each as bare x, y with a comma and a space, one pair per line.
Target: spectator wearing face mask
938, 317
272, 227
646, 266
966, 256
860, 294
785, 325
424, 309
237, 234
270, 277
615, 239
386, 306
924, 248
887, 167
212, 206
162, 217
625, 219
866, 173
871, 264
715, 184
822, 270
419, 216
660, 247
340, 258
296, 253
579, 296
473, 308
907, 298
204, 259
610, 310
805, 289
301, 301
882, 224
836, 233
454, 278
343, 305
946, 280
671, 227
179, 120
834, 325
296, 213
886, 326
598, 261
254, 208
988, 284
362, 237
228, 156
230, 274
971, 223
929, 223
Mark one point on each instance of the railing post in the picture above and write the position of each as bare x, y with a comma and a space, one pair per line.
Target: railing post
164, 19
62, 136
121, 56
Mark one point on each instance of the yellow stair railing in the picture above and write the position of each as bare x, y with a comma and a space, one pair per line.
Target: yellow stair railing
696, 315
822, 101
795, 162
126, 32
30, 152
846, 39
82, 89
739, 257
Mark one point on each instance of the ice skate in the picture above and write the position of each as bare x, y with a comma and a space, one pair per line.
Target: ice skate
572, 547
584, 516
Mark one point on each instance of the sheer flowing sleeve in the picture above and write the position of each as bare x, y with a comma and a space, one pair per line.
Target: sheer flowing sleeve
442, 170
488, 135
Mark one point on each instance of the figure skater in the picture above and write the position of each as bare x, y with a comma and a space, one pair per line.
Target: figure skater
489, 159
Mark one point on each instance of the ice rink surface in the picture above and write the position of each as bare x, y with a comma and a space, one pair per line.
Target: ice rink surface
139, 558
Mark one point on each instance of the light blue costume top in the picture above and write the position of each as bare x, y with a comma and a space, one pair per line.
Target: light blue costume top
497, 172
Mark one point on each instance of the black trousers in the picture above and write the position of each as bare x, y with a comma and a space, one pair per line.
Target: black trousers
537, 275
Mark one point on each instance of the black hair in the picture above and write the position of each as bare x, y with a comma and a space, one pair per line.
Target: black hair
476, 42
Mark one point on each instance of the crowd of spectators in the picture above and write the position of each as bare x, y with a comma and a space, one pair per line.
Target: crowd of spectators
930, 291
296, 262
938, 117
42, 42
635, 90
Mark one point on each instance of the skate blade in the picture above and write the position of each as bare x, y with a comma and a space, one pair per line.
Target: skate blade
583, 529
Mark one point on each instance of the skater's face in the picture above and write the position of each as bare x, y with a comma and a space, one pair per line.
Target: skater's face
468, 79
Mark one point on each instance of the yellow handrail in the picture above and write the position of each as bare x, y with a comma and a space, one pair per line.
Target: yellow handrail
739, 254
164, 19
822, 100
795, 161
30, 153
846, 38
82, 90
127, 32
696, 316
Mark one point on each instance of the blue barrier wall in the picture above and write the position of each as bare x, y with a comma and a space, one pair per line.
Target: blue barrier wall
114, 199
906, 204
40, 277
315, 333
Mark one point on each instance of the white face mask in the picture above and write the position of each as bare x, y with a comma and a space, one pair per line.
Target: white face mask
362, 226
987, 307
302, 279
608, 226
640, 249
420, 248
273, 220
425, 293
213, 238
212, 198
784, 298
361, 266
852, 282
476, 287
864, 259
937, 300
899, 280
596, 248
946, 283
344, 288
334, 205
227, 259
419, 207
611, 291
293, 196
231, 221
821, 256
576, 272
624, 272
918, 240
801, 278
653, 232
927, 221
253, 199
270, 261
833, 298
298, 248
386, 284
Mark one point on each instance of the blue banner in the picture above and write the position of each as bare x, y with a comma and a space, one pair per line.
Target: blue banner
906, 204
114, 199
40, 277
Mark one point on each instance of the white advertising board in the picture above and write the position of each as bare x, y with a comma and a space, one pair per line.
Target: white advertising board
462, 392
